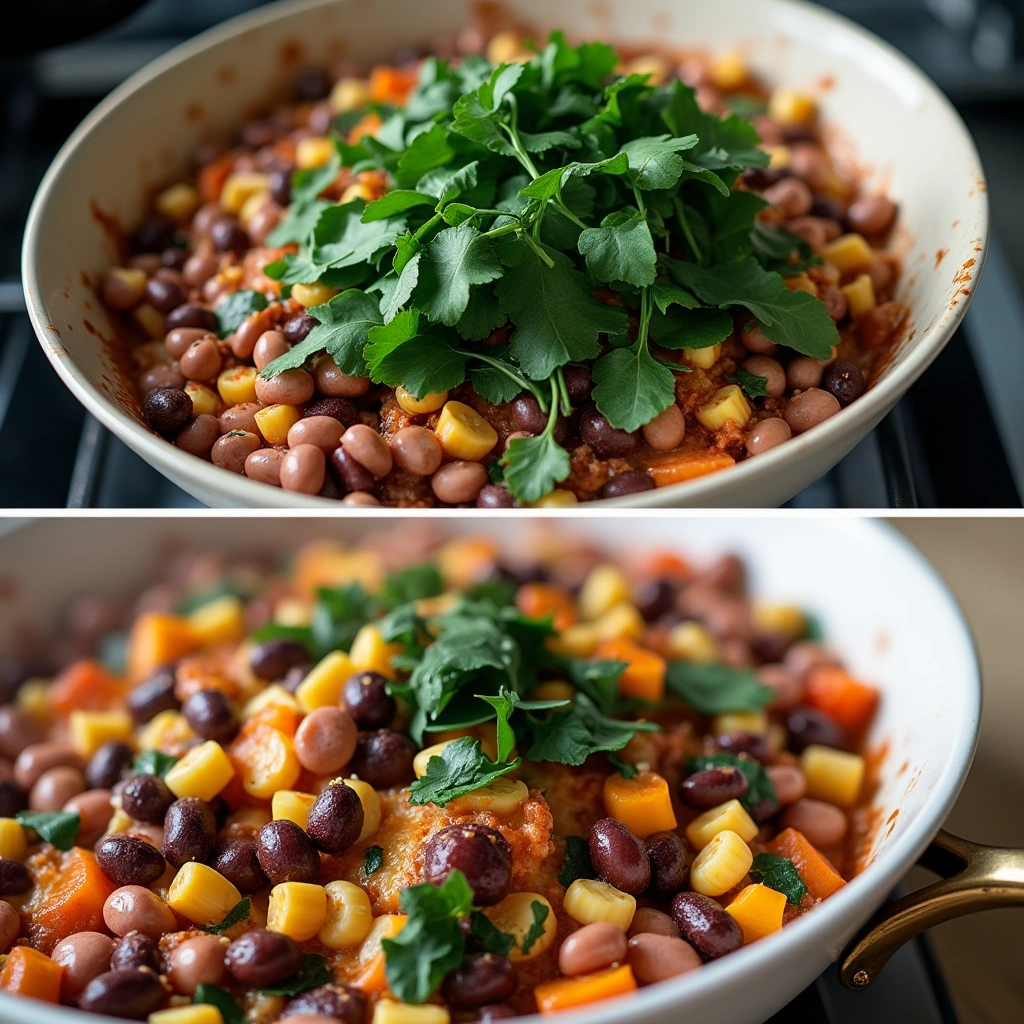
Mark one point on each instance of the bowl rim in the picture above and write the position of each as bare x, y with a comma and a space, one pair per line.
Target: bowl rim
817, 929
861, 415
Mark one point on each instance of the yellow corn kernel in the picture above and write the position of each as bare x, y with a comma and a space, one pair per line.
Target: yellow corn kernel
464, 433
313, 151
150, 319
758, 911
370, 799
514, 916
322, 686
273, 696
203, 772
313, 294
578, 641
728, 70
419, 762
349, 916
221, 621
251, 207
369, 652
166, 731
388, 1011
504, 47
200, 894
359, 190
237, 386
292, 805
34, 699
728, 403
349, 94
649, 64
204, 399
832, 775
727, 817
787, 620
588, 900
848, 252
189, 1013
791, 109
91, 729
860, 296
239, 186
739, 721
624, 620
430, 402
178, 202
503, 796
558, 498
275, 765
553, 689
722, 864
275, 421
12, 839
297, 909
778, 156
801, 283
134, 280
291, 611
119, 822
690, 641
705, 358
604, 588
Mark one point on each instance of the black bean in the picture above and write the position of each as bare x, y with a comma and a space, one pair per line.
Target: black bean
260, 958
351, 474
12, 799
129, 860
828, 206
286, 853
623, 484
496, 1011
174, 257
154, 234
238, 861
146, 798
132, 995
760, 178
578, 383
481, 978
495, 496
272, 659
705, 925
807, 725
340, 409
845, 381
156, 694
383, 759
763, 809
135, 951
619, 857
14, 877
164, 294
294, 676
481, 853
312, 84
347, 1005
191, 314
228, 235
296, 328
279, 181
335, 819
607, 441
670, 864
108, 764
655, 598
713, 786
366, 699
190, 831
528, 416
211, 715
752, 744
167, 409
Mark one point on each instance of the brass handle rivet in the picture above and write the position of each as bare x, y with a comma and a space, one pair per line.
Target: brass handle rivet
862, 979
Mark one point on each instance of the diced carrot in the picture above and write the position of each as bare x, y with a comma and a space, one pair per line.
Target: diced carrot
565, 993
758, 911
834, 692
369, 125
158, 639
675, 467
392, 85
213, 175
85, 686
68, 899
370, 975
540, 600
642, 803
667, 565
645, 671
819, 876
28, 972
277, 716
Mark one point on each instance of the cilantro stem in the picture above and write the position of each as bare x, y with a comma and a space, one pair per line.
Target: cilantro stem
525, 384
505, 229
538, 249
564, 391
640, 202
549, 430
512, 131
564, 210
684, 224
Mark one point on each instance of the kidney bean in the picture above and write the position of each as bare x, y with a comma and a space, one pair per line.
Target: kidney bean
666, 431
324, 432
481, 853
368, 448
340, 409
705, 925
14, 877
38, 758
238, 861
201, 360
167, 410
871, 215
120, 293
211, 715
619, 857
821, 823
578, 383
54, 788
754, 341
592, 948
804, 373
812, 230
713, 786
788, 688
366, 698
647, 920
195, 962
128, 994
325, 740
458, 482
190, 831
10, 926
481, 978
331, 381
135, 951
670, 864
17, 731
84, 956
271, 659
163, 375
416, 450
191, 314
335, 819
334, 1002
263, 221
129, 860
767, 434
623, 484
752, 744
788, 782
286, 853
133, 908
607, 441
844, 381
495, 496
230, 451
154, 234
146, 798
352, 475
296, 328
108, 764
303, 469
94, 809
292, 387
772, 372
199, 436
156, 694
660, 957
264, 466
810, 408
383, 759
807, 726
260, 958
791, 196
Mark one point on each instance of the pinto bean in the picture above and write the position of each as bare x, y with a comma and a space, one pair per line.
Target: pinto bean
822, 823
591, 948
810, 408
660, 957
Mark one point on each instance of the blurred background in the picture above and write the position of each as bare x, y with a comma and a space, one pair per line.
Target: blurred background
973, 49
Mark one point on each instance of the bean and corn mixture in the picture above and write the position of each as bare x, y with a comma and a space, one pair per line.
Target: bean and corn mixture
414, 782
509, 276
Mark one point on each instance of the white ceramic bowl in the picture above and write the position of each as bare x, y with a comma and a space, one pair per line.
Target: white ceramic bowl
894, 122
881, 604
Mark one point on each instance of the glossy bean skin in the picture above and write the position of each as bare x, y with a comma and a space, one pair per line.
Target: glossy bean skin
495, 496
331, 381
264, 466
131, 994
623, 484
366, 698
353, 476
167, 410
17, 731
705, 925
324, 432
788, 782
457, 482
335, 819
592, 948
292, 387
240, 417
161, 376
54, 788
791, 196
199, 436
326, 740
211, 715
712, 786
660, 957
335, 1003
666, 431
871, 215
416, 450
133, 908
14, 877
368, 448
41, 757
260, 958
238, 861
754, 341
481, 978
810, 408
619, 857
201, 360
655, 598
128, 860
253, 327
360, 499
670, 864
190, 831
481, 853
286, 853
383, 758
647, 920
135, 951
269, 346
146, 798
804, 372
232, 449
271, 659
772, 372
10, 926
607, 441
844, 382
195, 962
807, 726
181, 339
149, 698
767, 434
84, 956
303, 469
823, 824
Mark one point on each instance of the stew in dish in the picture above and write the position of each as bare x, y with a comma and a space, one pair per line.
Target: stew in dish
406, 783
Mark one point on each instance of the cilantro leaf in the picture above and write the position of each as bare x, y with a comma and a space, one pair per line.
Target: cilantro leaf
533, 465
759, 785
338, 615
754, 387
153, 762
482, 316
239, 912
399, 353
540, 913
780, 874
222, 999
342, 239
626, 770
666, 293
313, 972
654, 160
484, 930
631, 387
299, 223
461, 767
59, 828
716, 689
571, 735
455, 259
505, 703
577, 863
413, 583
691, 328
398, 292
232, 310
494, 384
780, 250
397, 201
373, 860
599, 680
429, 150
621, 249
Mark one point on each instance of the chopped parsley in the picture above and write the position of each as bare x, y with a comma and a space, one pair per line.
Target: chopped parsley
153, 762
313, 972
373, 860
232, 310
58, 828
540, 913
754, 387
780, 874
487, 933
238, 913
715, 689
460, 768
577, 862
222, 999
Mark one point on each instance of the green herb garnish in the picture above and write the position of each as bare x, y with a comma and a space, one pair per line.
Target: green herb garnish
577, 862
460, 768
223, 1000
716, 689
153, 762
754, 387
238, 913
759, 786
484, 930
626, 770
312, 973
232, 310
780, 874
540, 914
373, 860
59, 828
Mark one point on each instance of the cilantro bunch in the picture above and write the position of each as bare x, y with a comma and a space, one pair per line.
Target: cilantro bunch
519, 191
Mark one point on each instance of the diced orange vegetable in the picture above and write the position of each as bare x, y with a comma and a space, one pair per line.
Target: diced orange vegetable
676, 467
266, 762
540, 600
213, 175
29, 973
85, 686
834, 692
68, 899
645, 673
157, 639
277, 716
369, 125
819, 876
642, 803
758, 911
392, 85
667, 565
371, 976
565, 993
